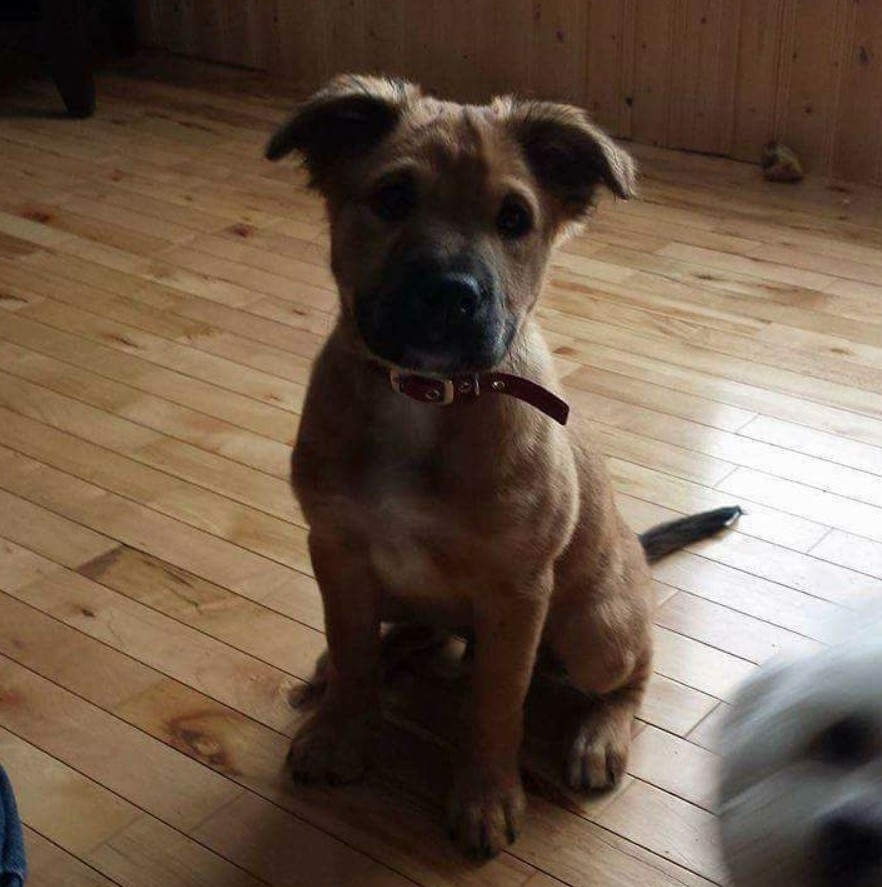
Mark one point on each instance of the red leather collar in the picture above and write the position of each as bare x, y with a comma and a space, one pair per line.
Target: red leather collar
445, 391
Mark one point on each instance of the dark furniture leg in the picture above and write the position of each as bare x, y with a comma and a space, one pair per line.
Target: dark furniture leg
66, 29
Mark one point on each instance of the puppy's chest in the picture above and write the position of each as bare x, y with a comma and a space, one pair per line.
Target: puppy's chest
421, 492
405, 561
415, 533
418, 519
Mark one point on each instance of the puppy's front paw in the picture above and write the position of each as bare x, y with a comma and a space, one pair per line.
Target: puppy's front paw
598, 754
331, 750
485, 816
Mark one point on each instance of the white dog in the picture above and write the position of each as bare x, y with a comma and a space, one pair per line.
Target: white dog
801, 792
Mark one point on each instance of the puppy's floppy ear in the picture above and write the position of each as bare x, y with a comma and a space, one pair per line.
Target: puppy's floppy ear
568, 154
347, 117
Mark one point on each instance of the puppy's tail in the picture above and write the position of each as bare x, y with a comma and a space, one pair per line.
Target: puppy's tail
665, 538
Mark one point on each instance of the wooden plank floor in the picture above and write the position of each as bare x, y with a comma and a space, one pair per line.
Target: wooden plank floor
163, 290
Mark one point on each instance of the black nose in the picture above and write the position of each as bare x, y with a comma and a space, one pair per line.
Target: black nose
851, 844
454, 295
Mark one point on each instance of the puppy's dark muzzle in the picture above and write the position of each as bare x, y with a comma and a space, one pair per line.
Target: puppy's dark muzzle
441, 320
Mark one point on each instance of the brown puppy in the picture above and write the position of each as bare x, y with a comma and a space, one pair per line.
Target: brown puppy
484, 514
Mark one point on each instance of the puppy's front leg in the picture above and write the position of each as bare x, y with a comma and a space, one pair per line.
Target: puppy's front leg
487, 803
335, 746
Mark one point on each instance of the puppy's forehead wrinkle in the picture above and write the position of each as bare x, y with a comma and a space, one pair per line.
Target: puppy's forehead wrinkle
470, 166
457, 138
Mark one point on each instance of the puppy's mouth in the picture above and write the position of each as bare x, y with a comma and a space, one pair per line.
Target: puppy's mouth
408, 343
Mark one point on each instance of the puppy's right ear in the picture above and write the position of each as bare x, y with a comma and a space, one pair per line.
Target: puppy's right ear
343, 120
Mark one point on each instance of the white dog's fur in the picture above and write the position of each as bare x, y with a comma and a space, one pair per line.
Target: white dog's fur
801, 791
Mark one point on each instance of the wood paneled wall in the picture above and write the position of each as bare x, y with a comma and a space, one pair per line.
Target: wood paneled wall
720, 76
236, 32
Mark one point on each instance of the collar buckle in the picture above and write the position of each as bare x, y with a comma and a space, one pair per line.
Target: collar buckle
440, 392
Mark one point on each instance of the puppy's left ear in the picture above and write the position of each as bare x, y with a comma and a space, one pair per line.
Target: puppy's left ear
343, 120
568, 154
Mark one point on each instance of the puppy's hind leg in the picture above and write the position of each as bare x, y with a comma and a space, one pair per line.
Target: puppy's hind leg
600, 633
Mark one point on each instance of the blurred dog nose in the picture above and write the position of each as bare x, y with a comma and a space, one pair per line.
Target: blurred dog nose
851, 844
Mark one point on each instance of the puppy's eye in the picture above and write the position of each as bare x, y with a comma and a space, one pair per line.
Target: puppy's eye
514, 219
394, 201
847, 743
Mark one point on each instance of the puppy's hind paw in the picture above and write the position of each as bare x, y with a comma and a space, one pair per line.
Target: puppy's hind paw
594, 765
598, 755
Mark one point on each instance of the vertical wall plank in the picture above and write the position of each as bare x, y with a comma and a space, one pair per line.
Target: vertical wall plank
147, 23
759, 57
459, 25
857, 153
176, 26
629, 27
605, 63
723, 126
429, 60
230, 31
299, 45
560, 49
809, 90
507, 47
347, 34
386, 37
255, 48
652, 71
704, 61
